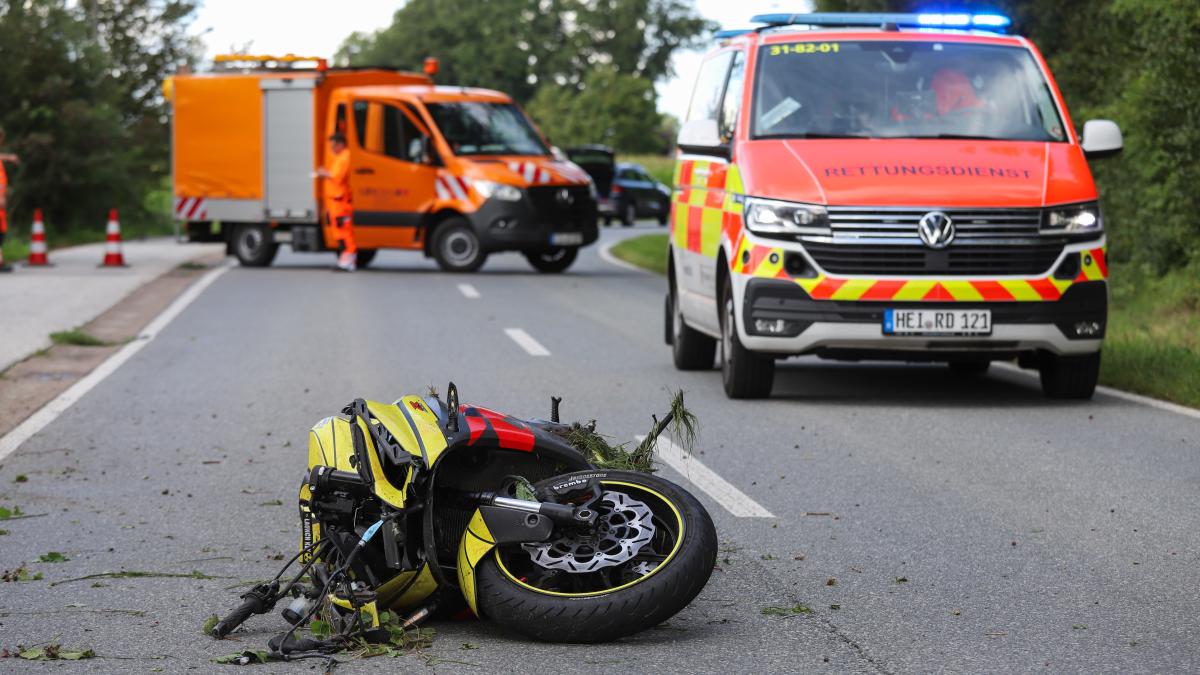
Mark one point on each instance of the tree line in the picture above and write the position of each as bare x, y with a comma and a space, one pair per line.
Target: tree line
584, 69
80, 101
1136, 62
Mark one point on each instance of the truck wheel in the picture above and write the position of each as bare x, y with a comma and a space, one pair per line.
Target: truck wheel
690, 349
744, 373
552, 260
629, 214
1070, 376
456, 247
364, 257
253, 246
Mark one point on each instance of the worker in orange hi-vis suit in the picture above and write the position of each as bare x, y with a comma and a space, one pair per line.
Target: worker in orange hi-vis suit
4, 157
339, 203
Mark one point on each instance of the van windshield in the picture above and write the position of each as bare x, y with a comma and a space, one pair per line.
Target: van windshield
878, 89
474, 128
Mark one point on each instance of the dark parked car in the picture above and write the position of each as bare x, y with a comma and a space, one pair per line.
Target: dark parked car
627, 192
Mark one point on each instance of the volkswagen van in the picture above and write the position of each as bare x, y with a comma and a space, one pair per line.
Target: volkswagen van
886, 186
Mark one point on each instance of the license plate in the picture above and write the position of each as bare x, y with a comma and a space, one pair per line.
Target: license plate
566, 239
937, 322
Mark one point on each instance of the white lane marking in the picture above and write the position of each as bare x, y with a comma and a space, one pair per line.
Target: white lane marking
607, 256
526, 342
468, 291
1117, 393
734, 500
50, 412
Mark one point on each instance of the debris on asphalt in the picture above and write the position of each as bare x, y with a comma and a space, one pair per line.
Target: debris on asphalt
20, 573
49, 652
901, 580
798, 608
136, 574
52, 557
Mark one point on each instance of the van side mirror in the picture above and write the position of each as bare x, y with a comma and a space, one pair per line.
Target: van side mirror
701, 137
1101, 138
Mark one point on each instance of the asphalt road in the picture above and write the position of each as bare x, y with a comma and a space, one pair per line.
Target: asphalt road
955, 524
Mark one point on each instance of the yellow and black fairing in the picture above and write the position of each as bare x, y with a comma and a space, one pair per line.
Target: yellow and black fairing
388, 446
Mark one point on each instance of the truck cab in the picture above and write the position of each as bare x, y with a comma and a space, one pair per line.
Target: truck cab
455, 173
886, 186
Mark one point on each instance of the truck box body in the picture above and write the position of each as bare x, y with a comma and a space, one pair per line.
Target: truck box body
245, 144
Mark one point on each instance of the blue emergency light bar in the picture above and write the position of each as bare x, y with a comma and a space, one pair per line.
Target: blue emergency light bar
731, 33
989, 22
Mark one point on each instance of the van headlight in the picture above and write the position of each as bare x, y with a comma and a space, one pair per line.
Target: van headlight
773, 218
1074, 219
504, 192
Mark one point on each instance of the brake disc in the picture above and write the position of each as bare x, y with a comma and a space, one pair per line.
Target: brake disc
624, 526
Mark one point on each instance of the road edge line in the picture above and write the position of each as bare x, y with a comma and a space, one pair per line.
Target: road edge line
607, 256
1118, 393
61, 403
708, 481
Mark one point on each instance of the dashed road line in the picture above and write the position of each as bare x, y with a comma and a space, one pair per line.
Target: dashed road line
526, 342
468, 291
50, 412
732, 499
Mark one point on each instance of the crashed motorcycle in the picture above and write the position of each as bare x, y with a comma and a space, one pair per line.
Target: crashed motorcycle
421, 506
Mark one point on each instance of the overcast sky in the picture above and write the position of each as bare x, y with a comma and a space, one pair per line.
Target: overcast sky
317, 27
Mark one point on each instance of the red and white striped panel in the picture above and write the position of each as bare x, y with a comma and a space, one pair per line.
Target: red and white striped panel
530, 172
452, 187
190, 208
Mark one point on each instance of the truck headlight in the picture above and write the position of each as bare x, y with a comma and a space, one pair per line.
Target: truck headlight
491, 189
772, 217
1073, 219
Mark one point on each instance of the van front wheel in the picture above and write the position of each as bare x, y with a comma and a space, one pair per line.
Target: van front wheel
552, 260
744, 373
1070, 376
456, 247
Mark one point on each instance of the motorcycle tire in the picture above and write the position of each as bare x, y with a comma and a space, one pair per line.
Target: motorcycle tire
605, 614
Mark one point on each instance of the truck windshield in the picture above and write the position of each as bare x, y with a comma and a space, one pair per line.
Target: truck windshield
473, 128
878, 89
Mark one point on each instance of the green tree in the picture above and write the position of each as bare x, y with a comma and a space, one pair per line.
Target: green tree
82, 106
608, 107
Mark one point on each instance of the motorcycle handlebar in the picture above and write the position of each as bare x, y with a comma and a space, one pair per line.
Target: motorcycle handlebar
236, 618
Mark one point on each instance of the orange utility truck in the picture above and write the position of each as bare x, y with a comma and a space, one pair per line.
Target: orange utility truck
454, 172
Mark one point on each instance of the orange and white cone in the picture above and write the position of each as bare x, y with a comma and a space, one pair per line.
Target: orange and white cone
112, 248
37, 245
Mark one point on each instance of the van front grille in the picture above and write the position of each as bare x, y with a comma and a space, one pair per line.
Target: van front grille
884, 241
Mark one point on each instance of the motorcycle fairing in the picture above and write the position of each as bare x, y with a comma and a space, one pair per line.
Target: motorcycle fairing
476, 543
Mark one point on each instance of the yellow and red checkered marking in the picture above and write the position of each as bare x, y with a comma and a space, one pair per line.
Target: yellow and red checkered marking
705, 205
767, 262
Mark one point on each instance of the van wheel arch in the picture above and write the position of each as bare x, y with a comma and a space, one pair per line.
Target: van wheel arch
432, 223
721, 275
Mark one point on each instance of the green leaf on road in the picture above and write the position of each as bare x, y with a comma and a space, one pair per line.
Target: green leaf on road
52, 557
273, 502
55, 652
6, 513
209, 624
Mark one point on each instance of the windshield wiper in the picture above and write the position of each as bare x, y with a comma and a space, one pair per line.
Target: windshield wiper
809, 134
961, 137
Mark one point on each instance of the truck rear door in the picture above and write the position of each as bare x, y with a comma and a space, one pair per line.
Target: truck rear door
392, 179
288, 150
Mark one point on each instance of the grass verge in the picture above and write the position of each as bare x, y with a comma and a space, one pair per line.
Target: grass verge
649, 251
77, 337
1153, 343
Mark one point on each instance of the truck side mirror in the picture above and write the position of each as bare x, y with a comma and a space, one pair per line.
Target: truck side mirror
1101, 138
701, 137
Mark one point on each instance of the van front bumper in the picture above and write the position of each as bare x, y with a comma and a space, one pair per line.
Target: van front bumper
846, 329
543, 218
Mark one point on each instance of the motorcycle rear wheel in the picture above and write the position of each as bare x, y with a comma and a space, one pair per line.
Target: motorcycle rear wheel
622, 599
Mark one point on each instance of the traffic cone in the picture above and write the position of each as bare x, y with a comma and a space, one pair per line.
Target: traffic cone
112, 249
37, 244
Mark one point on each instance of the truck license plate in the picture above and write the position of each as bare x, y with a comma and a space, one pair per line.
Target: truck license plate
566, 239
937, 322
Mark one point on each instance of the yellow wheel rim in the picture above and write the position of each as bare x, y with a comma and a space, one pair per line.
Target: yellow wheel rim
670, 556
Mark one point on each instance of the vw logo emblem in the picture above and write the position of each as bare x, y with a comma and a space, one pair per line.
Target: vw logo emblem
564, 197
936, 229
